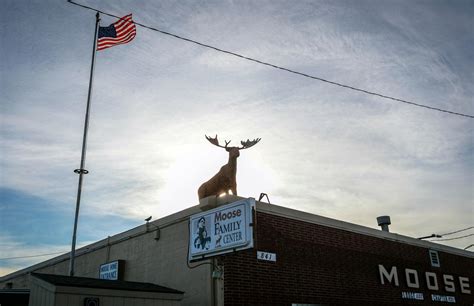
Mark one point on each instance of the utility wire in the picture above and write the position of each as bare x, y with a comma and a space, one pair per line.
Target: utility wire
31, 256
453, 238
278, 67
461, 230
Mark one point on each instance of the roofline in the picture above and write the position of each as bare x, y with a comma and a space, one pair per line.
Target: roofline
15, 291
101, 283
273, 209
111, 240
355, 228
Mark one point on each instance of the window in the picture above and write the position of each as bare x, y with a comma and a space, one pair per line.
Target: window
434, 258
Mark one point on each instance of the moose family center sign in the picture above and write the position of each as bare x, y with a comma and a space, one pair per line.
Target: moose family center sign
221, 230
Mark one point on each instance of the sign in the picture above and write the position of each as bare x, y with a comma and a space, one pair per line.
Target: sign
443, 298
266, 256
221, 230
413, 296
431, 280
112, 270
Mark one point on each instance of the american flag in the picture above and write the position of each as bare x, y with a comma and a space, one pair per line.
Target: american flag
120, 32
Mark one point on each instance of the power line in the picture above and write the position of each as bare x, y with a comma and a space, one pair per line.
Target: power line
279, 67
446, 234
31, 256
453, 238
461, 230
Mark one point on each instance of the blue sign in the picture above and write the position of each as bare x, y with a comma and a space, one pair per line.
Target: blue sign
110, 270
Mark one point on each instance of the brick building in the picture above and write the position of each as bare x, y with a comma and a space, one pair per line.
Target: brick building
295, 258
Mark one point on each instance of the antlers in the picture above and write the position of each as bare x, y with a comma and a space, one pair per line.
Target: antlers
215, 142
245, 144
249, 143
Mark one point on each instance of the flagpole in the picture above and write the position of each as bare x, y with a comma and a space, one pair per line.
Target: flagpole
81, 171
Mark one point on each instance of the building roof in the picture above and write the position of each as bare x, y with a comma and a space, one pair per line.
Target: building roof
14, 291
86, 282
183, 216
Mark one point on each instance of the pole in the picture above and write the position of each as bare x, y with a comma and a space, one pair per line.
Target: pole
81, 171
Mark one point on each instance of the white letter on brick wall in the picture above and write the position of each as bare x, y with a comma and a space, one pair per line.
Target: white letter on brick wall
464, 282
389, 276
416, 283
449, 283
431, 281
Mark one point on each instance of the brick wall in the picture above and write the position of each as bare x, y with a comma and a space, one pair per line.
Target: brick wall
322, 265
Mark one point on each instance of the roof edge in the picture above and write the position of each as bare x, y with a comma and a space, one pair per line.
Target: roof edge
355, 228
183, 215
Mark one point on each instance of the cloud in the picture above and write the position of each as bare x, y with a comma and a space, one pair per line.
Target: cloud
325, 149
22, 255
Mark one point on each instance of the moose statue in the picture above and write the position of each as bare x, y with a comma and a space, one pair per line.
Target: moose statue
224, 180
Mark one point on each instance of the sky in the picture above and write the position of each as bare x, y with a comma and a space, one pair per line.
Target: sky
325, 150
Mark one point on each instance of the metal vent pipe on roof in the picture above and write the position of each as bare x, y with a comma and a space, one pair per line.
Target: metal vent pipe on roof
384, 222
